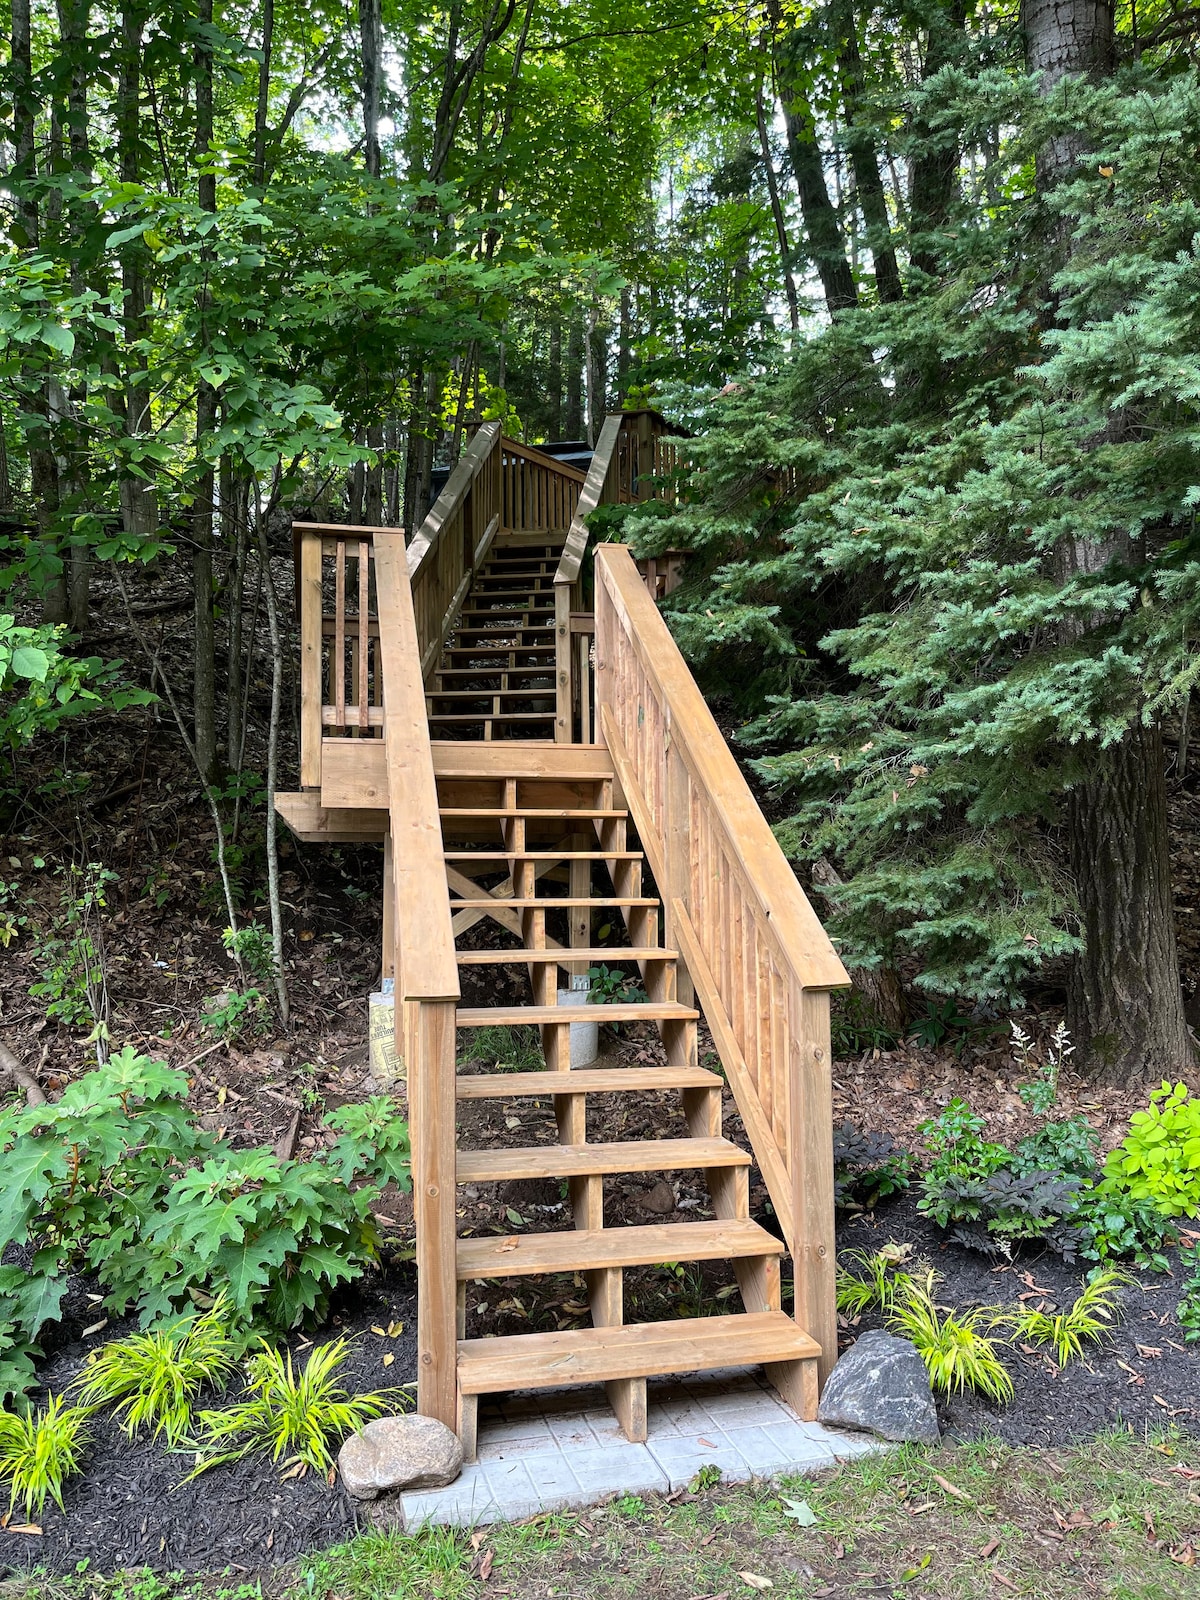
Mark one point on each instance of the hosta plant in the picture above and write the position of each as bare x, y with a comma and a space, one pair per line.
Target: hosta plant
39, 1450
956, 1353
297, 1416
152, 1379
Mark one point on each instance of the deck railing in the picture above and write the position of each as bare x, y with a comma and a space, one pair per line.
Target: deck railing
538, 491
635, 457
761, 964
453, 541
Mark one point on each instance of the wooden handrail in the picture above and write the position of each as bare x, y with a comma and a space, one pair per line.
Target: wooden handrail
452, 542
340, 684
540, 458
417, 916
754, 949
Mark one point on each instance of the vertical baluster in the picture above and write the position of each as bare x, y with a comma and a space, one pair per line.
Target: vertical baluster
338, 664
364, 639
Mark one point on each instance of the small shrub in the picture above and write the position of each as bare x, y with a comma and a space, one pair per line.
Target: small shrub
74, 980
1066, 1332
153, 1378
229, 1014
1113, 1224
611, 986
1188, 1309
876, 1283
957, 1355
867, 1167
1159, 1158
298, 1414
39, 1451
1040, 1093
1006, 1208
251, 946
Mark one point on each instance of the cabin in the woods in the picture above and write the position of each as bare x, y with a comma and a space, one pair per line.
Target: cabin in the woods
500, 703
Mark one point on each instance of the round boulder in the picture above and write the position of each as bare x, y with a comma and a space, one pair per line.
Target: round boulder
399, 1453
881, 1386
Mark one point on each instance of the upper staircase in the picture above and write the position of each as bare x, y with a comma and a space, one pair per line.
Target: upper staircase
537, 772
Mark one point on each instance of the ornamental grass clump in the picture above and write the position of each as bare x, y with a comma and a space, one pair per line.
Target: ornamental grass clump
296, 1416
876, 1283
39, 1450
152, 1379
957, 1355
1067, 1332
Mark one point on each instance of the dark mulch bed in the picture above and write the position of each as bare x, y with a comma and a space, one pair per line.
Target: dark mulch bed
128, 1510
1143, 1376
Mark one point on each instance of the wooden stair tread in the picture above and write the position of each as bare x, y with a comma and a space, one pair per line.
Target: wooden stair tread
544, 855
633, 1011
582, 1250
637, 1350
492, 716
581, 1080
582, 1160
534, 814
473, 903
563, 955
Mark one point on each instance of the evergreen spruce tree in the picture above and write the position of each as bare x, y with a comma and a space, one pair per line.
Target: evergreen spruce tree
947, 555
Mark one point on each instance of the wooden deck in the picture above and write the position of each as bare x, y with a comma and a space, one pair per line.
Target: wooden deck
548, 770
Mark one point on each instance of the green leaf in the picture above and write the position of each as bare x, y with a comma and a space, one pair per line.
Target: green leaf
58, 338
30, 662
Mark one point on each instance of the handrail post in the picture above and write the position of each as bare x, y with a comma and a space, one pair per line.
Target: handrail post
311, 695
814, 1253
563, 687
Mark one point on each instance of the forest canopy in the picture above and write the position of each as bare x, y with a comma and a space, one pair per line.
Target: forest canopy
920, 279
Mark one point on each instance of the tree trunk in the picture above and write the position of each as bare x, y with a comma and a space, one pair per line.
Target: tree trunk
1124, 1005
370, 35
264, 94
777, 213
826, 245
555, 374
204, 683
934, 168
138, 499
872, 197
573, 422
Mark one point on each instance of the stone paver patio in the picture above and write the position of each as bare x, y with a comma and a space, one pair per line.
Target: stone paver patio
562, 1448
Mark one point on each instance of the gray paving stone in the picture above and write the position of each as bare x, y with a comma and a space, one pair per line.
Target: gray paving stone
681, 1459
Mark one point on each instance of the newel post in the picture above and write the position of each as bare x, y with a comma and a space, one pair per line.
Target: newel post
425, 1037
814, 1254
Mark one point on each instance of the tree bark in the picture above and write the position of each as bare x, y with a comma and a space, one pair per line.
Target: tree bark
204, 682
371, 41
573, 421
555, 374
934, 168
777, 214
1124, 1004
872, 197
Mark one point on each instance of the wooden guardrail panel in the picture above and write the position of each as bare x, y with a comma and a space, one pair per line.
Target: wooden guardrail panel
537, 491
761, 963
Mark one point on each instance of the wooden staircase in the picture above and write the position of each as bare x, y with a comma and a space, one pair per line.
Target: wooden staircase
447, 709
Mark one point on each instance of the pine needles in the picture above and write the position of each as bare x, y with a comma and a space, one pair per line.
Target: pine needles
39, 1451
297, 1415
153, 1378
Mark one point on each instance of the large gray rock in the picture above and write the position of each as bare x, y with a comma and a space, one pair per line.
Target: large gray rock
399, 1453
881, 1386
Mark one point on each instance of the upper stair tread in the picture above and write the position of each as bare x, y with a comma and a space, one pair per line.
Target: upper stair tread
536, 813
581, 1080
579, 1250
605, 1011
563, 955
474, 903
637, 1350
582, 1160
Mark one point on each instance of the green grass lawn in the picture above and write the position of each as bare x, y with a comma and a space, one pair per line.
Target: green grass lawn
1117, 1517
